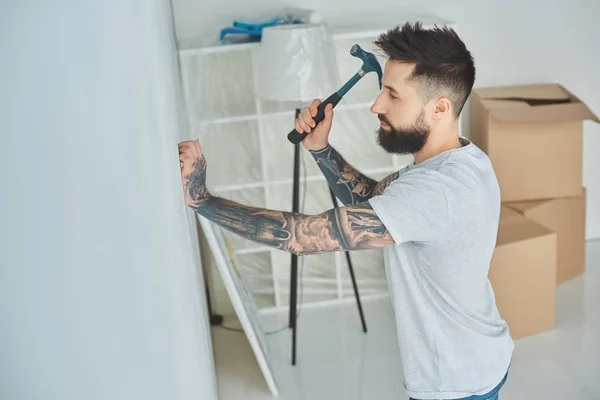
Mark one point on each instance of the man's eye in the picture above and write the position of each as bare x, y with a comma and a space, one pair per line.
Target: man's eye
393, 97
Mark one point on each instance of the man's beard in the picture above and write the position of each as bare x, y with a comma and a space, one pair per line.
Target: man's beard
403, 140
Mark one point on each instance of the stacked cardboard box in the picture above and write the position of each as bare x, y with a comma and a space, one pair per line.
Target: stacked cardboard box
523, 274
533, 135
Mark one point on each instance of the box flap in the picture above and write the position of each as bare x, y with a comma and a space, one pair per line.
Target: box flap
507, 216
547, 212
533, 103
562, 112
552, 92
517, 231
491, 103
523, 206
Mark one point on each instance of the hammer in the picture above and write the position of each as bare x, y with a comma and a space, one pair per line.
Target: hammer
370, 64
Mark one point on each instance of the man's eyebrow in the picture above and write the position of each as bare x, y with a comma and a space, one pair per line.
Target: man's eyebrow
391, 89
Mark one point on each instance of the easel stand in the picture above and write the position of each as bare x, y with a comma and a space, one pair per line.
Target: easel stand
294, 270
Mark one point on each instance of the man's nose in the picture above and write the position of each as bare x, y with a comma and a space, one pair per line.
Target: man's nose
377, 107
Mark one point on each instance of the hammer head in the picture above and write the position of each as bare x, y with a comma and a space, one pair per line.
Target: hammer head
370, 63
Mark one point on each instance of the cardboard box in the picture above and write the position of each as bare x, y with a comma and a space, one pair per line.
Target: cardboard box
566, 217
533, 136
523, 274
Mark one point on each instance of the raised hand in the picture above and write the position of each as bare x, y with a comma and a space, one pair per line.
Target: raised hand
193, 173
316, 134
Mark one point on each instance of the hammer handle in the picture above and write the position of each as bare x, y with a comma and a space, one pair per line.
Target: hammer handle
296, 137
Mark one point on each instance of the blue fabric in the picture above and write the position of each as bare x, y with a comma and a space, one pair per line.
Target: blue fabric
492, 395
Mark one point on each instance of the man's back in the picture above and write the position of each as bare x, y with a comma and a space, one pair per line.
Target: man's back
443, 215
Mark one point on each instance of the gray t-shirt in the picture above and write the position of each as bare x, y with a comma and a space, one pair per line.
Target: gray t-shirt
443, 216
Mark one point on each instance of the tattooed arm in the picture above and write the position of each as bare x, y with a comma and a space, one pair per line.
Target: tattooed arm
349, 185
347, 228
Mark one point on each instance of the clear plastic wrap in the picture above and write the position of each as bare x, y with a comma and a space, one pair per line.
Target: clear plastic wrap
296, 62
218, 85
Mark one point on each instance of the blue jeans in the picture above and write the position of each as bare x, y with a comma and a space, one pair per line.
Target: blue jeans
492, 395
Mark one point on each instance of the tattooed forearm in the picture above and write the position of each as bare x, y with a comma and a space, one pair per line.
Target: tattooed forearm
349, 185
346, 228
196, 181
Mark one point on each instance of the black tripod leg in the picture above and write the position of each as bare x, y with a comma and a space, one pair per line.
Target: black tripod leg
293, 316
294, 269
358, 303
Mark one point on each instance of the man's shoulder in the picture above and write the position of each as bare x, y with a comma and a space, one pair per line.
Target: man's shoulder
465, 168
470, 161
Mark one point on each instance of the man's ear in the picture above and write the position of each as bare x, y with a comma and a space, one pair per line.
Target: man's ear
442, 107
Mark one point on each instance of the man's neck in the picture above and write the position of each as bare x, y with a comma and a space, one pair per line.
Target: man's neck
437, 143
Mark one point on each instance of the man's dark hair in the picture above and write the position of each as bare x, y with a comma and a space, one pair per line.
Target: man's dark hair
443, 65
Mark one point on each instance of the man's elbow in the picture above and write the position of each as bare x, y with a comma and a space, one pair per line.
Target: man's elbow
296, 252
307, 251
303, 252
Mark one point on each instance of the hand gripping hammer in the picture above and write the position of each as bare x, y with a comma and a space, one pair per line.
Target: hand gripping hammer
370, 64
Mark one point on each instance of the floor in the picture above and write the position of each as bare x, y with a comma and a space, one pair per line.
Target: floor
336, 360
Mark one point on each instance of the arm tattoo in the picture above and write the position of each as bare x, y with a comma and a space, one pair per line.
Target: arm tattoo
196, 181
384, 183
349, 185
347, 228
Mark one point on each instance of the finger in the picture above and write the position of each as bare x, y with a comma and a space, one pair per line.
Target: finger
185, 158
306, 114
187, 153
183, 147
308, 118
194, 152
300, 122
327, 120
298, 128
313, 107
329, 111
303, 123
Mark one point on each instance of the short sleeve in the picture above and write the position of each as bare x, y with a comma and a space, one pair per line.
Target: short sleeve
414, 208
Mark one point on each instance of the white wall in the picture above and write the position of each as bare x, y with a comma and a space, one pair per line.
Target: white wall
513, 42
99, 286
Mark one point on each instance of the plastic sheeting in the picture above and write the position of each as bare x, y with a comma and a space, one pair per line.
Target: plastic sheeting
296, 62
251, 161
